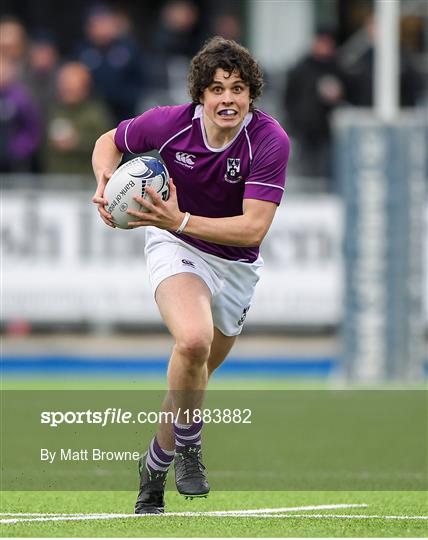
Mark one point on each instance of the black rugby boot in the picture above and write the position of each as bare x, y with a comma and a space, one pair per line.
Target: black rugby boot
190, 476
150, 498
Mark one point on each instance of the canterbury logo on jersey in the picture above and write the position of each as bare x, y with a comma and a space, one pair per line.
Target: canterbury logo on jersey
188, 160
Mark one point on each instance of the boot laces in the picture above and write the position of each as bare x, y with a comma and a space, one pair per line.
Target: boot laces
191, 461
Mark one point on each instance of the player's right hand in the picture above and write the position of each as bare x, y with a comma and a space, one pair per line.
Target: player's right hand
99, 199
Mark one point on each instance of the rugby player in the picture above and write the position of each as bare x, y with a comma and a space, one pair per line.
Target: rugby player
228, 161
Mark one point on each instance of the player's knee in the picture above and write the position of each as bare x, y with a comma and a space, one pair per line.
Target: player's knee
195, 346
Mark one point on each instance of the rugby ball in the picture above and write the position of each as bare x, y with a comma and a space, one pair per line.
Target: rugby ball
131, 179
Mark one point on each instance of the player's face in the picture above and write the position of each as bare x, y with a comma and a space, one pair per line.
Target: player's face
226, 101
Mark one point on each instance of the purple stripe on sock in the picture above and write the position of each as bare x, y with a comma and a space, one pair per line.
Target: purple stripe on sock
191, 430
160, 453
180, 444
156, 461
188, 440
153, 466
157, 458
190, 436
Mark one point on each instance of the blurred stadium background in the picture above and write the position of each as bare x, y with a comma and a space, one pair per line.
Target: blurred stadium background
345, 286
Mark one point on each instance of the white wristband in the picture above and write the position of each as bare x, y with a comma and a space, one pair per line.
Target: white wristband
183, 223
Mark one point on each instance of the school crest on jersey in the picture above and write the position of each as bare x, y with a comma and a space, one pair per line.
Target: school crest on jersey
232, 170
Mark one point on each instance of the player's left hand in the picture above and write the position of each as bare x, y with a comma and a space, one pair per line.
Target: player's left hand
162, 214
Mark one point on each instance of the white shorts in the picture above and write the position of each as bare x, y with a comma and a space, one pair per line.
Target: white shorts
231, 283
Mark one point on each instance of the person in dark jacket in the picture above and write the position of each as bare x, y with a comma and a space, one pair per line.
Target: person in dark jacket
315, 87
177, 37
114, 60
360, 74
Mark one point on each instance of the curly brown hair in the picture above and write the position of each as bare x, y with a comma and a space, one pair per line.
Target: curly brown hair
228, 55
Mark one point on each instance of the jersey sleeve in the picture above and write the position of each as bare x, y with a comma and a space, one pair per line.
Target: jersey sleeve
266, 180
145, 132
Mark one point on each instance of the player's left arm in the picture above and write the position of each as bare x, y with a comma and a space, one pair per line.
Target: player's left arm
262, 194
246, 230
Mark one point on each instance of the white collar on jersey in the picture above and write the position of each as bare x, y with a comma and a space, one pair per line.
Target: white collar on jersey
198, 114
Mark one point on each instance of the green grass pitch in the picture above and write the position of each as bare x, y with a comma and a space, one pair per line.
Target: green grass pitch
244, 513
387, 514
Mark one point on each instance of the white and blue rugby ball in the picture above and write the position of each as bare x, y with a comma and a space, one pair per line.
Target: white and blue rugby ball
131, 179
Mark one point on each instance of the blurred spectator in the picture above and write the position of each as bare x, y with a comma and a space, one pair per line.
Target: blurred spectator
114, 60
13, 43
176, 39
75, 122
42, 69
315, 87
20, 122
360, 73
178, 30
40, 78
228, 26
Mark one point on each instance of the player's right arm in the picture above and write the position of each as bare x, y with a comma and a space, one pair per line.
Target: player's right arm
105, 159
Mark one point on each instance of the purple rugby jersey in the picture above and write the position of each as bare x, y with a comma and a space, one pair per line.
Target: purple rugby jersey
212, 182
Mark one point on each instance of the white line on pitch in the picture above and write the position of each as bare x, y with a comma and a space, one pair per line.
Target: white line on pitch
274, 510
237, 515
81, 517
36, 514
221, 513
339, 516
211, 513
89, 517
